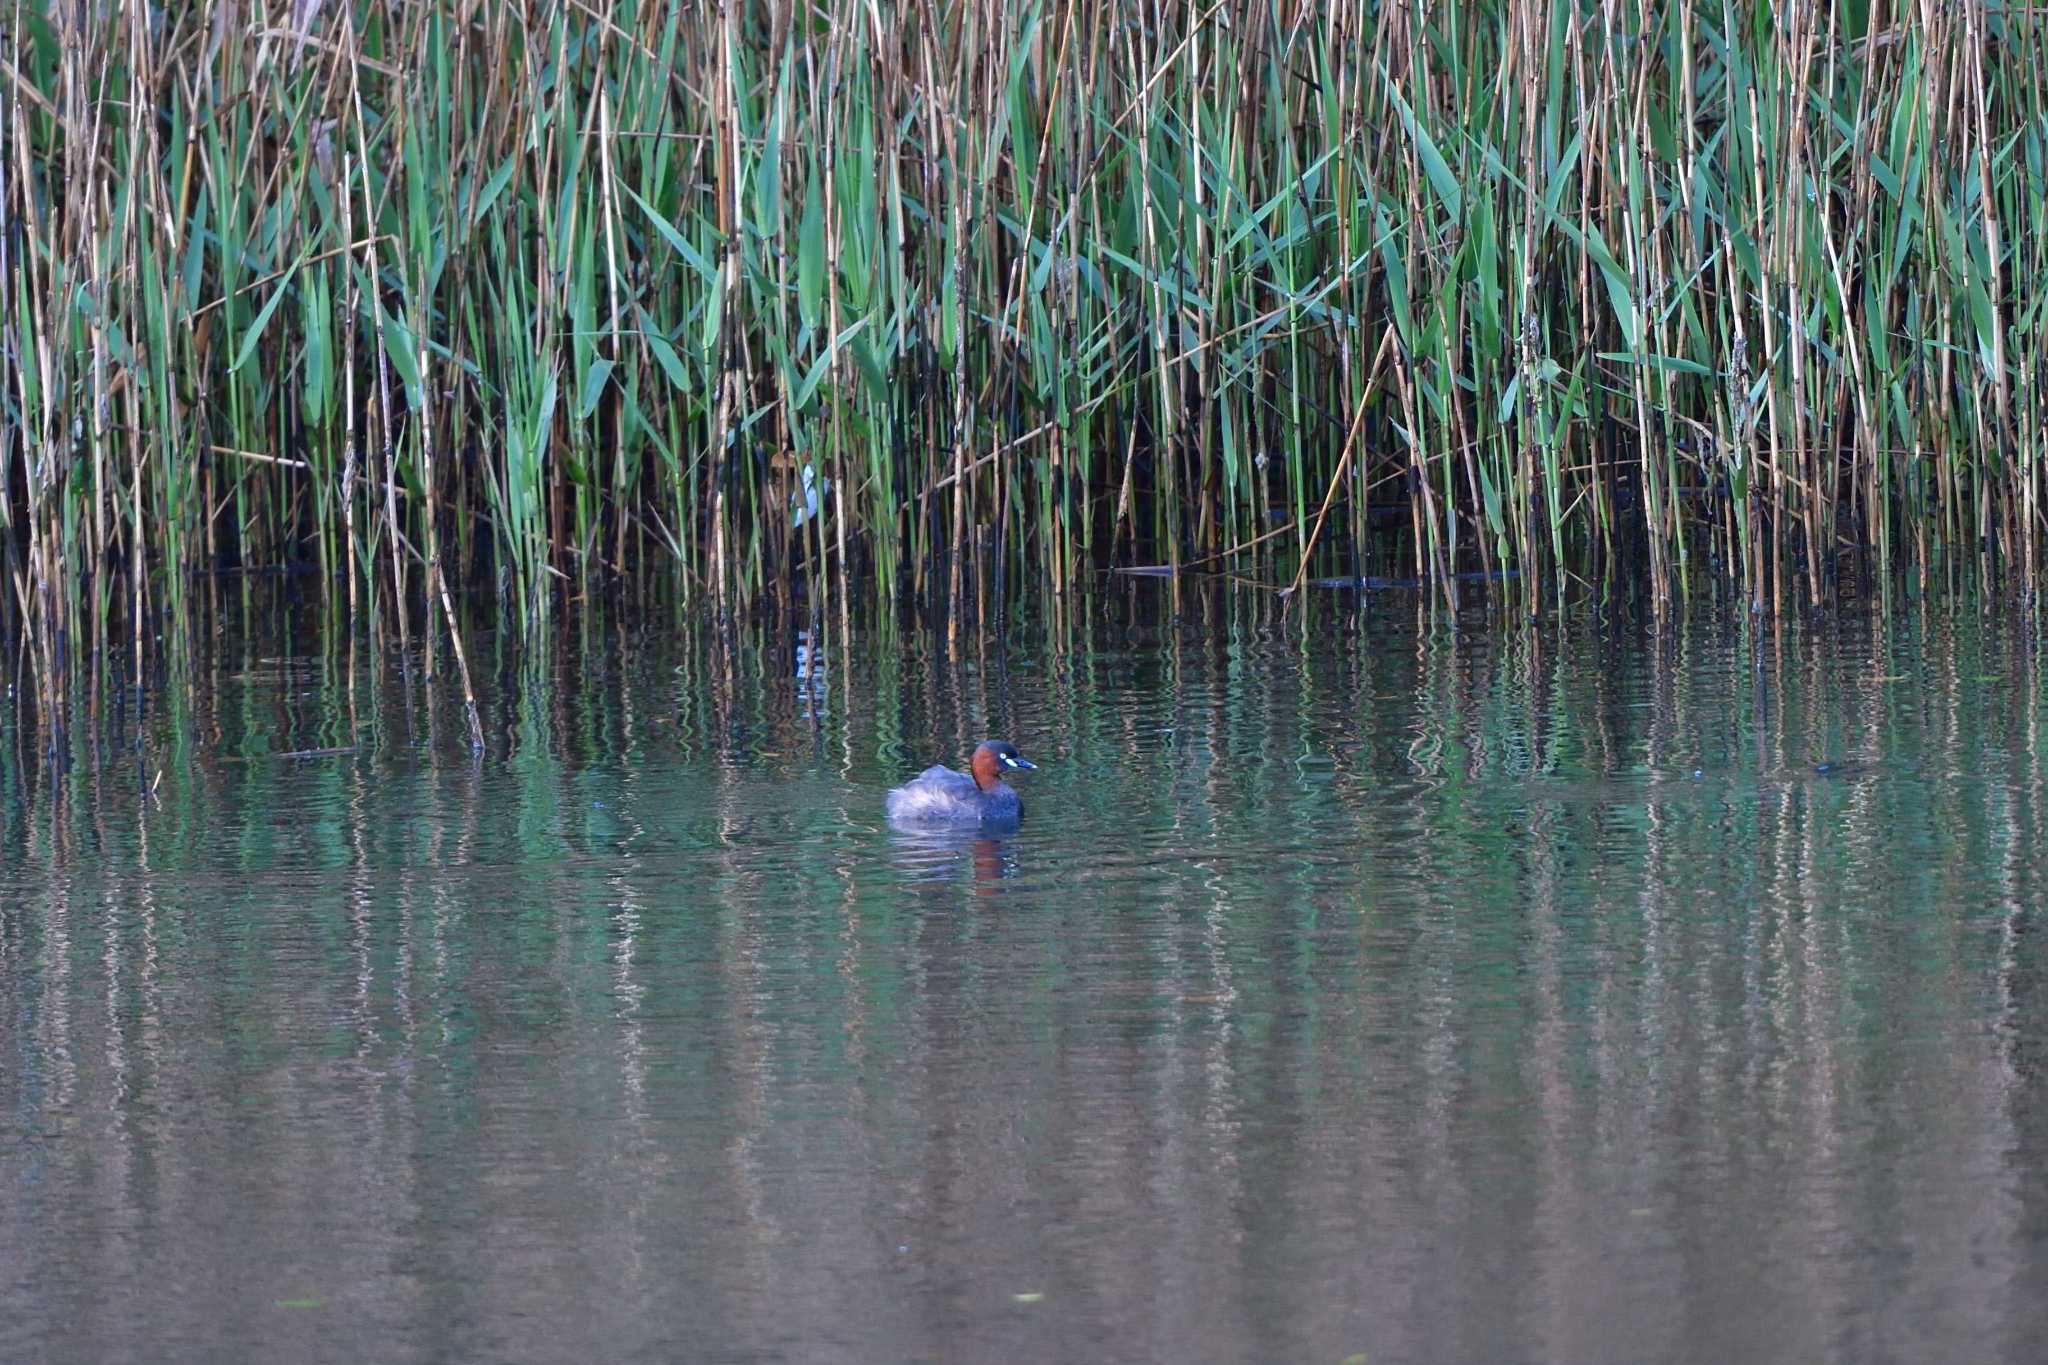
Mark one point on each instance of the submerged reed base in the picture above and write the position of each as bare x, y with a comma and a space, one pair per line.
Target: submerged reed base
841, 300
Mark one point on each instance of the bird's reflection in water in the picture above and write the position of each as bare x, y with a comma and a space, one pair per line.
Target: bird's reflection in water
939, 854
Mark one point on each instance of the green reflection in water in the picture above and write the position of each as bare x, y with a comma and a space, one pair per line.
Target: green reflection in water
1562, 994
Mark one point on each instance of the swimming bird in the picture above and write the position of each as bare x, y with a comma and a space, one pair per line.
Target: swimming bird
979, 796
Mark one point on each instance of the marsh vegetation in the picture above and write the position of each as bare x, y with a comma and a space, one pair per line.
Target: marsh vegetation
832, 302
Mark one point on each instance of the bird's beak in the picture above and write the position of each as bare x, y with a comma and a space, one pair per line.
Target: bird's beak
1023, 763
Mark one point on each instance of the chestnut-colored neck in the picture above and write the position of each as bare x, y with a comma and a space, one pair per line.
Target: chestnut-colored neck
983, 765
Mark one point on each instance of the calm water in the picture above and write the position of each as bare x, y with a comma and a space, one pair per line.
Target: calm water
1391, 994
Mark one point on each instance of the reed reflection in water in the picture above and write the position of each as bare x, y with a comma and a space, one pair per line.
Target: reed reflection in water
1567, 995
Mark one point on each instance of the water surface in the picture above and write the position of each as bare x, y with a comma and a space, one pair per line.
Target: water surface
1586, 994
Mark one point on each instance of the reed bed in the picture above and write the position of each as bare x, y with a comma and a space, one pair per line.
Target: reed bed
841, 299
